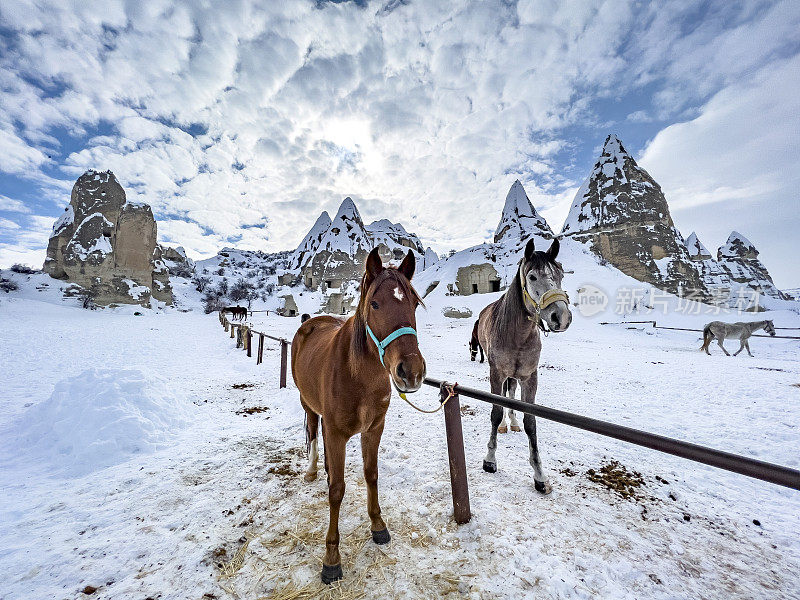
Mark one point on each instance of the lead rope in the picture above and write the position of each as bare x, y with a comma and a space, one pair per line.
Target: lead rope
451, 391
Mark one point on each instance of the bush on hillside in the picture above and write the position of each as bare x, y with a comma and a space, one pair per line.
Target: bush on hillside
201, 283
212, 301
23, 269
240, 290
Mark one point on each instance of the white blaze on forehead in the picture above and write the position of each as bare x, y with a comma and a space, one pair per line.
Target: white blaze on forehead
398, 294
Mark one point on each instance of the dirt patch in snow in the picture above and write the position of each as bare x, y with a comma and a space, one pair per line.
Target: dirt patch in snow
617, 478
252, 410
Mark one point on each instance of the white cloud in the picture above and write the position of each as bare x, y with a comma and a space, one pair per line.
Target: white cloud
12, 205
29, 245
8, 224
744, 144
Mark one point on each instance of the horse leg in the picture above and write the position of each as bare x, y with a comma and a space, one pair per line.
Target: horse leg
719, 341
707, 337
512, 391
747, 345
529, 386
496, 383
741, 347
335, 445
503, 428
481, 349
324, 453
312, 425
370, 441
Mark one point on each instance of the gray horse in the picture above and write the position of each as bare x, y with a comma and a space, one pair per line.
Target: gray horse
509, 333
733, 331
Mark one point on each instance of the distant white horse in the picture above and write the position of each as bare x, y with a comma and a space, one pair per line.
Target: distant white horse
733, 331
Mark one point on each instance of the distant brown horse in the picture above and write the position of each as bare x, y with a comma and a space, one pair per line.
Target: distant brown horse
237, 313
344, 371
474, 344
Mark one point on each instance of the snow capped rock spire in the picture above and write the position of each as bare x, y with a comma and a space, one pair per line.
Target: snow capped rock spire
520, 219
737, 246
697, 251
310, 242
346, 232
621, 212
739, 258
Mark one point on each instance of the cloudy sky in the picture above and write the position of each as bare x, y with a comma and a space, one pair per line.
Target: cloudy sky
238, 122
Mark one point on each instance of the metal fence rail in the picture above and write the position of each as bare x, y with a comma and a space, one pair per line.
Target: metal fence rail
716, 458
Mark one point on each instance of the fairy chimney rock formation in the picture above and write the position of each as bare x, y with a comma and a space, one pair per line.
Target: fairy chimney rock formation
697, 251
108, 245
622, 214
739, 259
520, 219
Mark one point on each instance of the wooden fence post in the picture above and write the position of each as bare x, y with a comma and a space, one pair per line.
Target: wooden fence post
249, 342
284, 361
260, 355
233, 327
455, 452
239, 336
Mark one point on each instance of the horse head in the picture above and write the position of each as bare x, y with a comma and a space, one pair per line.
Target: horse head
769, 327
388, 310
540, 277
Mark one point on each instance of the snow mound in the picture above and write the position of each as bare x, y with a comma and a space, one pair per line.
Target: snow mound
100, 418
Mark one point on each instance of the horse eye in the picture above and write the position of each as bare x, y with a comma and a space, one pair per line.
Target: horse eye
374, 305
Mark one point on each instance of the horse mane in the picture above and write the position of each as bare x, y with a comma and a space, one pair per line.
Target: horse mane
358, 343
510, 310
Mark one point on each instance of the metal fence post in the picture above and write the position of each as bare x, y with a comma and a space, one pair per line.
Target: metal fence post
455, 453
284, 361
260, 356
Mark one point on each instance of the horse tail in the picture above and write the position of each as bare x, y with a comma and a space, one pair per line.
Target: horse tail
707, 336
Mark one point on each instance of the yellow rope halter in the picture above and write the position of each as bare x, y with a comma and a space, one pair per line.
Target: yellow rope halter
548, 298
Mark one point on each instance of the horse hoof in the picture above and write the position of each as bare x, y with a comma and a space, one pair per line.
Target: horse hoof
309, 477
489, 467
381, 537
542, 487
502, 429
515, 428
331, 574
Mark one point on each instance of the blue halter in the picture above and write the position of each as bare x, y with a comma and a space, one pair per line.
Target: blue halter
389, 339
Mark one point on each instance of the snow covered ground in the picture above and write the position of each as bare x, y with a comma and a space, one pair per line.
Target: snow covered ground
146, 457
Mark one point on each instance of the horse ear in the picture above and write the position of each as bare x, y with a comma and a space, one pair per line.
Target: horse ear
529, 249
552, 251
373, 267
408, 265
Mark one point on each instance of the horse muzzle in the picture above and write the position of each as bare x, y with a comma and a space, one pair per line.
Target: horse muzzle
408, 373
557, 316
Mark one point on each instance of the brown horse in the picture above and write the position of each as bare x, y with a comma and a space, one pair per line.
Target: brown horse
474, 344
237, 313
345, 373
